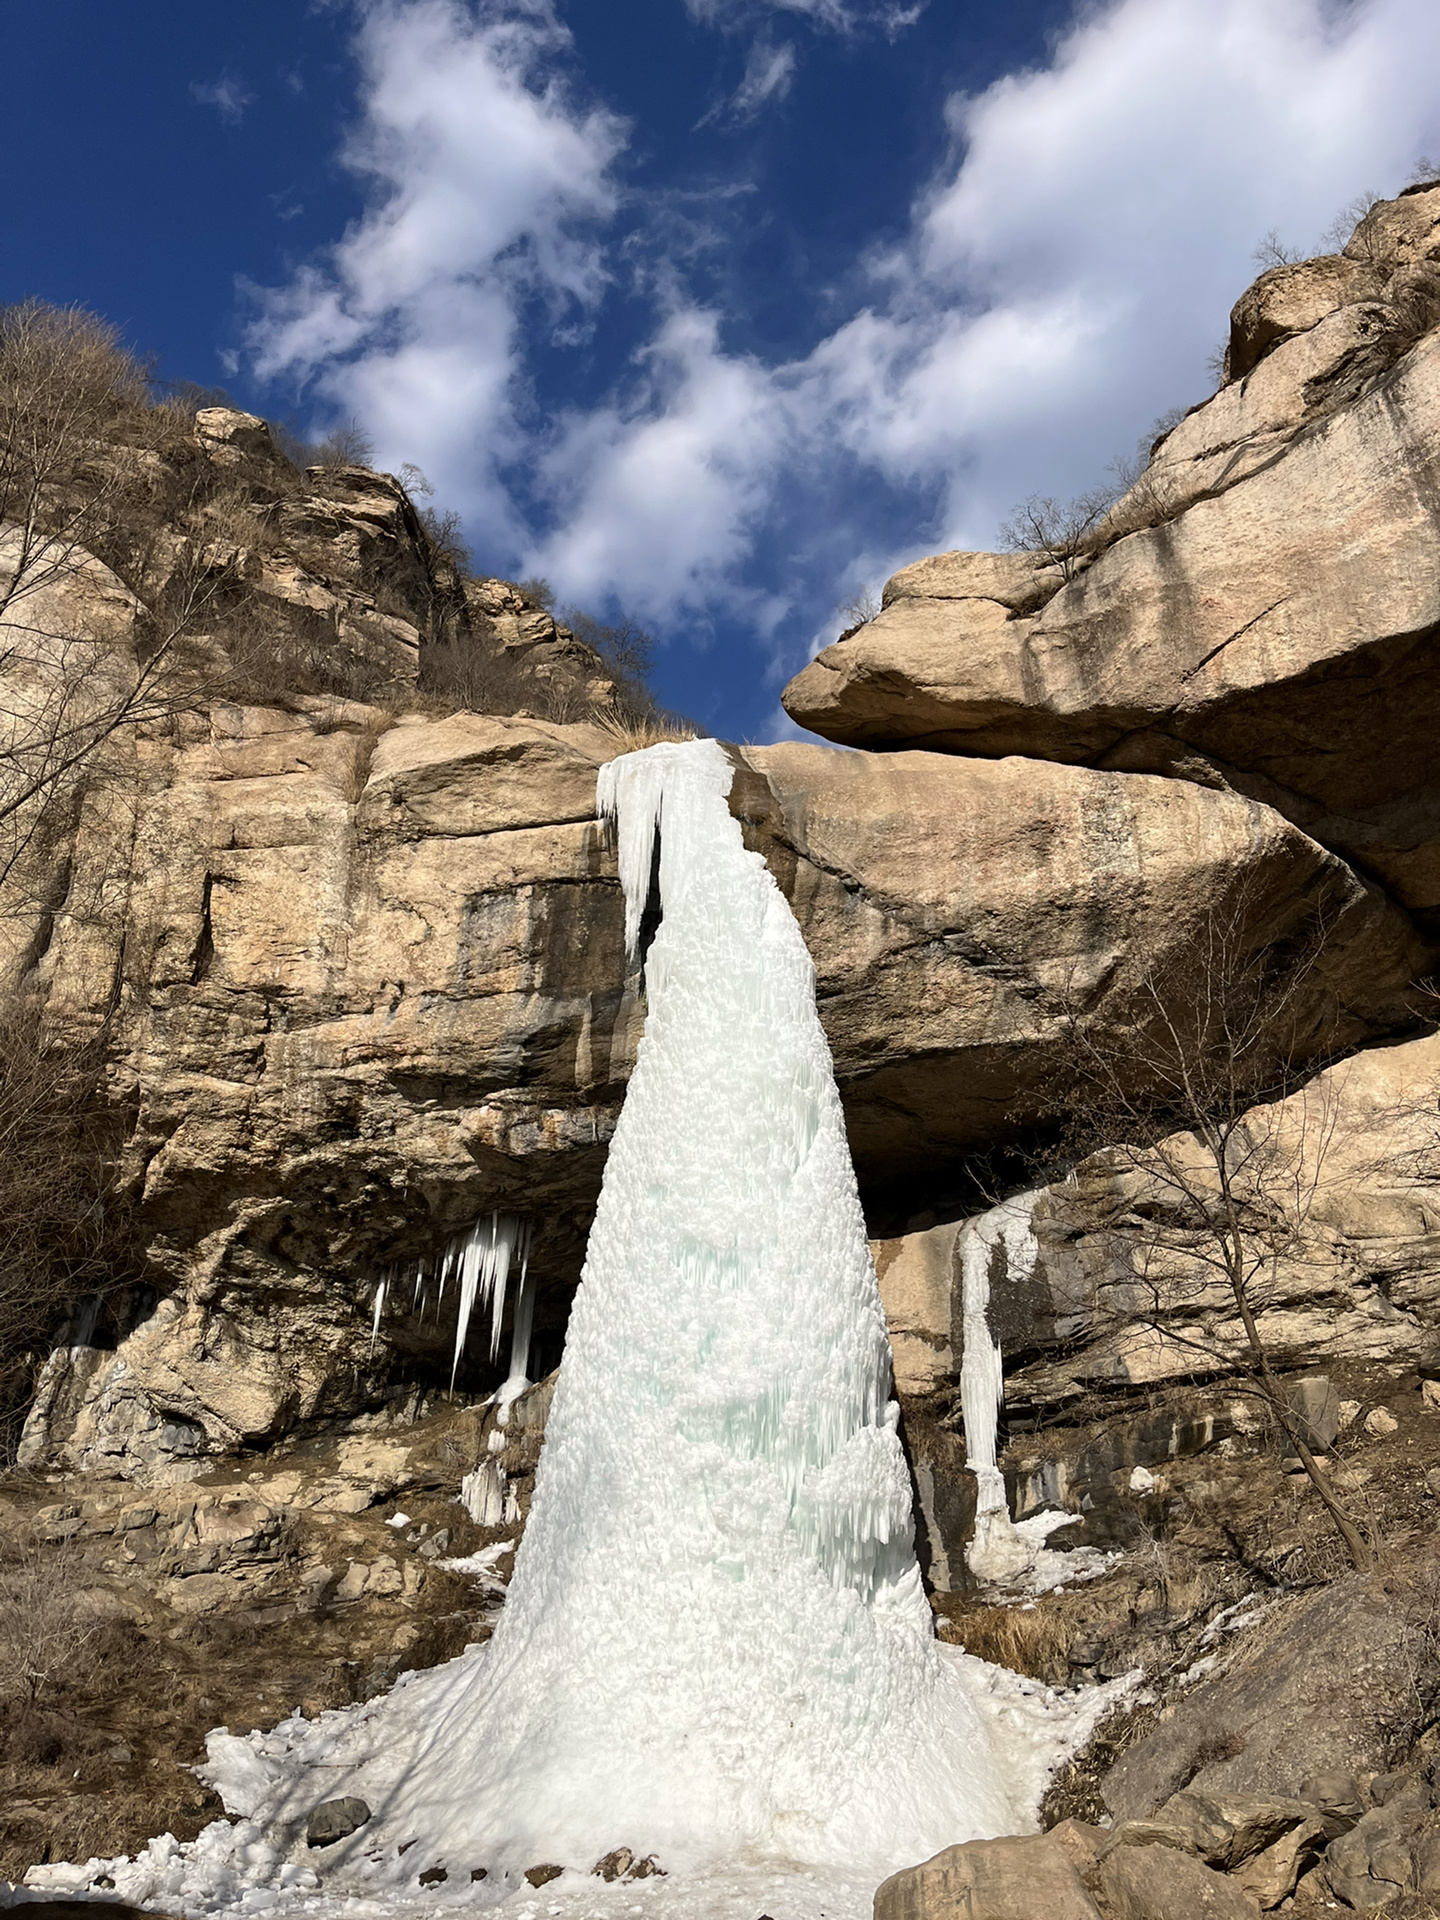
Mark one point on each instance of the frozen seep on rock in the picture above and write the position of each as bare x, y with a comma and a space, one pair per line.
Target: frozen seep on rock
1002, 1551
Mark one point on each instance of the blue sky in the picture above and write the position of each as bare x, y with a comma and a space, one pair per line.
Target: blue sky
709, 310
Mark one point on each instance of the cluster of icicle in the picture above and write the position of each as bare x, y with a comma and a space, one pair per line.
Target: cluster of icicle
716, 1646
479, 1262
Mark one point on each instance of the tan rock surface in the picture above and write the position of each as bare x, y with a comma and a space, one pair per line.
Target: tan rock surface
989, 1880
1289, 300
955, 908
1119, 1303
371, 985
1313, 1687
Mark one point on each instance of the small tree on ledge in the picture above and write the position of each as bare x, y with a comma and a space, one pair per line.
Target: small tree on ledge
1210, 1111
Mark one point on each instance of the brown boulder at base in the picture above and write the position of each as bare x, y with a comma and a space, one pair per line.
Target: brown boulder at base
989, 1880
1322, 1683
1157, 1883
1393, 1850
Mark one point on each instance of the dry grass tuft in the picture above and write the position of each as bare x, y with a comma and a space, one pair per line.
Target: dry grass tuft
1035, 1641
652, 730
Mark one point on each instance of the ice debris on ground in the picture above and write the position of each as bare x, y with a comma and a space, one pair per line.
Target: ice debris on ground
716, 1646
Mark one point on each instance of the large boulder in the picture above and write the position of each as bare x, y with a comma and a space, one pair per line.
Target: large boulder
989, 1880
962, 912
1327, 1682
1263, 609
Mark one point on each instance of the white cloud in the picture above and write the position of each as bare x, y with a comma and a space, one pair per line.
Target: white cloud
228, 95
489, 192
658, 498
845, 16
769, 71
1064, 279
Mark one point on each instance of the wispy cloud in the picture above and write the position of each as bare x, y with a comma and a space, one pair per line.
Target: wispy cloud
228, 95
768, 73
844, 16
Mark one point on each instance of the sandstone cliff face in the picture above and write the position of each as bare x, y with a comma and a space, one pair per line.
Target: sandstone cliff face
962, 912
369, 984
1261, 611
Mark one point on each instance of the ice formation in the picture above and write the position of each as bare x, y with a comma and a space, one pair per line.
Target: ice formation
1002, 1551
716, 1641
480, 1259
716, 1647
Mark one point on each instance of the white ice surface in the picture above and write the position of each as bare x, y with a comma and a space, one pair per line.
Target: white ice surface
1005, 1553
716, 1647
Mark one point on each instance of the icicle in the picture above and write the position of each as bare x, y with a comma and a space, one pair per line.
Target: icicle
642, 781
379, 1309
997, 1552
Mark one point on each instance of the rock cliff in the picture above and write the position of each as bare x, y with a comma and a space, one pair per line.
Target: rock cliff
337, 913
1258, 612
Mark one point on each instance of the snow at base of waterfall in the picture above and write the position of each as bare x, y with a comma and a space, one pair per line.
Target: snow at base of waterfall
257, 1864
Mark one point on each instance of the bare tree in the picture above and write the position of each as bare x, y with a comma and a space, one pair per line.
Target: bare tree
66, 1234
1338, 233
1209, 1113
1270, 251
84, 657
859, 607
1062, 532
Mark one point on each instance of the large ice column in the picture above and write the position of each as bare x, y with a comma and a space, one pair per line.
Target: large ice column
997, 1552
716, 1645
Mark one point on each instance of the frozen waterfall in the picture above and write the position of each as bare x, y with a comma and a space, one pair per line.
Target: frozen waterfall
715, 1648
716, 1641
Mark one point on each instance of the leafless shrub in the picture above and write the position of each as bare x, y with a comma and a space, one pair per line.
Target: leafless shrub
1424, 173
1412, 309
46, 1630
477, 674
1341, 229
65, 1233
272, 652
1184, 1097
538, 591
859, 607
347, 445
1270, 251
1062, 532
447, 542
78, 667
